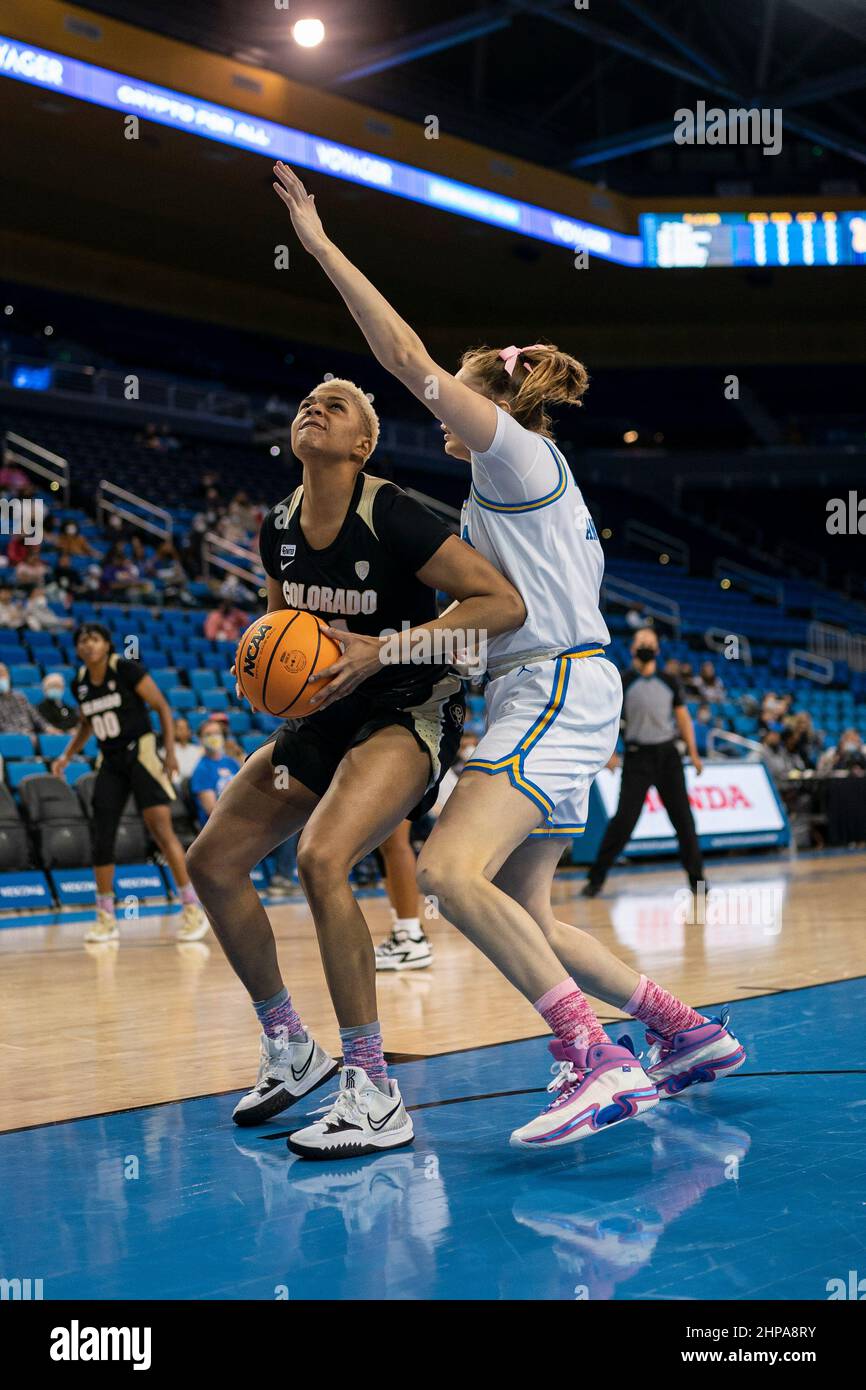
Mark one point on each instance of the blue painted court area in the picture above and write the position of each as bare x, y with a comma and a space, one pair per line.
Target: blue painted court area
751, 1188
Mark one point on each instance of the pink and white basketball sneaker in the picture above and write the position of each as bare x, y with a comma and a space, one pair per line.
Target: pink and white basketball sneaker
594, 1087
702, 1053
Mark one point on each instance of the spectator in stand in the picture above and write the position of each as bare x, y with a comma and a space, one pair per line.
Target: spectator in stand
849, 755
689, 681
710, 685
17, 550
778, 761
801, 739
225, 623
65, 582
41, 617
58, 715
242, 512
233, 748
672, 669
11, 611
187, 751
773, 709
32, 571
214, 771
705, 720
167, 568
17, 715
12, 480
121, 577
71, 542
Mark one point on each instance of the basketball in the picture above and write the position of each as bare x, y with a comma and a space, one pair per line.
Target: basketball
276, 657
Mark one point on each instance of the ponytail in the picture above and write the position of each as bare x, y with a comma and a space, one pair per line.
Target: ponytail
528, 379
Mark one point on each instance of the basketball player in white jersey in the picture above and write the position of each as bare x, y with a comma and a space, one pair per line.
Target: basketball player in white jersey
553, 705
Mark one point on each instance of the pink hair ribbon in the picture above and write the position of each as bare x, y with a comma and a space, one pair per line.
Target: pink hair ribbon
510, 355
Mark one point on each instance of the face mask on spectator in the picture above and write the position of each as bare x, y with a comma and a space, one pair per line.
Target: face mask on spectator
214, 742
850, 745
4, 685
645, 653
54, 692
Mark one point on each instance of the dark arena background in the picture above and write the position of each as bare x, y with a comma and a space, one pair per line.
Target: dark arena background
674, 191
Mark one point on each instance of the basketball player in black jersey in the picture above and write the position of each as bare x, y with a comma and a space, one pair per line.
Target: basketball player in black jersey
364, 556
114, 697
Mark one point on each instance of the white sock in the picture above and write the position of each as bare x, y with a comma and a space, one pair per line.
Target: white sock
411, 926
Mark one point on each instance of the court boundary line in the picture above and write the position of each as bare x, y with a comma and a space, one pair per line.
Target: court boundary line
769, 993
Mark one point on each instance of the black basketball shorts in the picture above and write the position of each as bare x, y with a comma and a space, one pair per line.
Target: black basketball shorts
311, 749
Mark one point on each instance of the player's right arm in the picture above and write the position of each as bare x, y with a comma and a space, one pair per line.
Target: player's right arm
276, 597
73, 747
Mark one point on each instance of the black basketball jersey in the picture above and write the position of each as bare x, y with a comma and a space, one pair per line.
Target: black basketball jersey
365, 580
117, 715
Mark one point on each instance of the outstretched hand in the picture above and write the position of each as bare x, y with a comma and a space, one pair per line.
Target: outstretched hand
302, 208
361, 658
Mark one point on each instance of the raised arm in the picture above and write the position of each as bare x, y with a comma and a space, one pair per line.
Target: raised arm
394, 343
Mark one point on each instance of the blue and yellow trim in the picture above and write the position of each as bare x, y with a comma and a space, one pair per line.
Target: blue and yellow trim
512, 763
566, 830
512, 507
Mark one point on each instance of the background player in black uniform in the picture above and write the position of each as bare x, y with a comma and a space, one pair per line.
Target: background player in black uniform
114, 694
363, 556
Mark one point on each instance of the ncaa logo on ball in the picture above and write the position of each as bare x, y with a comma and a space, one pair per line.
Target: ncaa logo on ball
294, 661
251, 655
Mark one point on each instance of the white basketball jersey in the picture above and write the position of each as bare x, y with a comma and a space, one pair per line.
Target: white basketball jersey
526, 514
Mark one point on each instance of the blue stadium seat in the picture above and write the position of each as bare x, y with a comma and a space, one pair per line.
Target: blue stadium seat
52, 745
250, 742
16, 772
165, 676
33, 693
23, 674
77, 768
239, 721
90, 749
17, 746
214, 699
202, 680
180, 698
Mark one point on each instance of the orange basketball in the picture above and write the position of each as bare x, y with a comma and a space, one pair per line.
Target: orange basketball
276, 657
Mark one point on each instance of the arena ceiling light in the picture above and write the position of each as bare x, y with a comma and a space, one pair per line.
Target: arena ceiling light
308, 32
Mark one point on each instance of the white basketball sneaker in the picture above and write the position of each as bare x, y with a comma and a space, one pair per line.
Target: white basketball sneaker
287, 1071
194, 924
361, 1120
105, 927
400, 951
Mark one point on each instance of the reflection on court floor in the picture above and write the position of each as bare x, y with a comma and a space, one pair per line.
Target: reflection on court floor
750, 1188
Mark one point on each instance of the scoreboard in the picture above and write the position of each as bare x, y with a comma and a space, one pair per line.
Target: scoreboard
698, 239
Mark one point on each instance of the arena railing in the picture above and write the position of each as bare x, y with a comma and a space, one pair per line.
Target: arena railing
659, 542
717, 736
837, 644
652, 604
240, 561
35, 459
756, 583
162, 524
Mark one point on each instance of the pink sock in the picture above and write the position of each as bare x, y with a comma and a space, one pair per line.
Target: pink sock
278, 1016
659, 1010
568, 1015
188, 894
105, 903
366, 1051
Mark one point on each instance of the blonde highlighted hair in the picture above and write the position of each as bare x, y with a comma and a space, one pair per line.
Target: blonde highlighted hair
362, 401
541, 375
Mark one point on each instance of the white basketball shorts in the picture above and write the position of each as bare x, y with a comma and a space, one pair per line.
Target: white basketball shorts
551, 728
